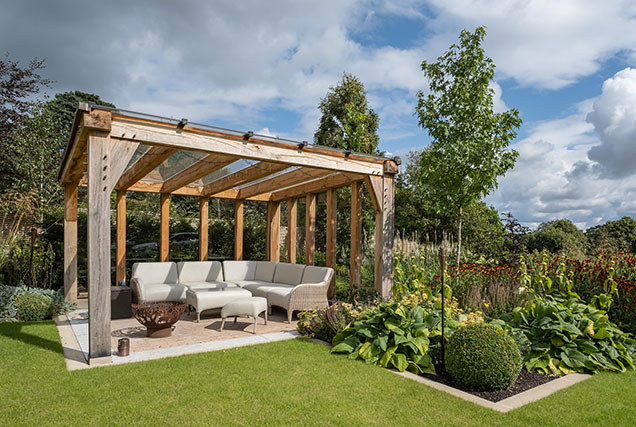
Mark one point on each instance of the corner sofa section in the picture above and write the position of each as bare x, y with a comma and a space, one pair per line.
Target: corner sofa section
290, 286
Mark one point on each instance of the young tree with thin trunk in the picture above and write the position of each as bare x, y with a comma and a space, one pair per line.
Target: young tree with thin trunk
469, 140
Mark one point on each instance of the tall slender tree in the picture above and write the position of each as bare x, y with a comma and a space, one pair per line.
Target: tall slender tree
469, 140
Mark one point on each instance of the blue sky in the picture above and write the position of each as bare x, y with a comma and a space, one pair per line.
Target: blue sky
568, 66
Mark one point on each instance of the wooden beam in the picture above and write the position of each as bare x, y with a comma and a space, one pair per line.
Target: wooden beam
98, 226
374, 186
384, 220
120, 259
204, 167
281, 181
164, 239
252, 173
316, 186
190, 190
292, 223
273, 231
203, 228
331, 239
310, 228
200, 140
144, 165
70, 243
356, 235
238, 229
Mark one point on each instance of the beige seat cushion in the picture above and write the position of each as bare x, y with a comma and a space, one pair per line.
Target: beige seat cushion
265, 271
155, 272
313, 274
200, 271
155, 292
279, 296
289, 274
249, 306
209, 285
261, 289
238, 270
206, 299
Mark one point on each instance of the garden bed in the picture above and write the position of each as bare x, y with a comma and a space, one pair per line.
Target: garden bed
525, 381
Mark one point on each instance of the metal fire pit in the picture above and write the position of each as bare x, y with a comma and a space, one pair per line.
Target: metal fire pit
158, 317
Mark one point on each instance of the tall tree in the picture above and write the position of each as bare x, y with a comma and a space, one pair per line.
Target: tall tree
613, 236
347, 122
63, 106
561, 237
469, 140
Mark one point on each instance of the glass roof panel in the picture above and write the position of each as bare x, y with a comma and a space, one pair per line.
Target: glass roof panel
140, 151
284, 171
228, 170
176, 163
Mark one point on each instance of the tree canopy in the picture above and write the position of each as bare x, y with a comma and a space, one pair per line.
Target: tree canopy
347, 122
63, 106
561, 237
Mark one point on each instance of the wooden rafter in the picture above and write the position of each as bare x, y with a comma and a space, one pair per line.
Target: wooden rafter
282, 181
144, 165
316, 186
189, 190
205, 166
252, 173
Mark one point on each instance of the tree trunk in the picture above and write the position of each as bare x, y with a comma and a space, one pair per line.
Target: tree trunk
459, 238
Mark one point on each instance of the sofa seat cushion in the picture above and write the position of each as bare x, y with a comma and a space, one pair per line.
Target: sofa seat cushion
209, 285
238, 270
200, 271
289, 274
261, 289
279, 296
164, 292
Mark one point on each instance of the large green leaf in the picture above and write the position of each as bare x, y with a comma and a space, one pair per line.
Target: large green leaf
399, 361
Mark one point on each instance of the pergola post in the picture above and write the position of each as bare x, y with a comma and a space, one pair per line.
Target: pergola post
203, 228
292, 220
70, 243
273, 231
330, 256
120, 259
382, 194
238, 229
310, 228
356, 234
164, 239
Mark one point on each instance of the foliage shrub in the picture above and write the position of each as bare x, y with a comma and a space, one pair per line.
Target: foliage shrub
33, 307
326, 324
12, 299
483, 357
565, 333
404, 334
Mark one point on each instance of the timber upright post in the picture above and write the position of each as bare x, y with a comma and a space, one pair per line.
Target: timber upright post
238, 229
70, 243
203, 228
120, 261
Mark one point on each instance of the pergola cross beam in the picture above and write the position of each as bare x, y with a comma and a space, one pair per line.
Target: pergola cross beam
282, 181
244, 176
203, 167
144, 165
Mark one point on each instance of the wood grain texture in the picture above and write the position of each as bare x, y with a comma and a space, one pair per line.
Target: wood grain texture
203, 228
164, 226
356, 235
70, 243
331, 238
98, 225
316, 186
238, 229
257, 150
292, 224
374, 186
144, 165
120, 258
281, 181
388, 233
207, 165
273, 231
244, 176
310, 228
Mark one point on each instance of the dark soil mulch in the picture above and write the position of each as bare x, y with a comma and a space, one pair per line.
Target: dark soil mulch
525, 381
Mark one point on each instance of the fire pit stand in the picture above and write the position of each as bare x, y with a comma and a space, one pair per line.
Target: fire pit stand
158, 317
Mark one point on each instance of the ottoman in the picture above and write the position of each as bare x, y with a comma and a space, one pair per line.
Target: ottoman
202, 299
248, 306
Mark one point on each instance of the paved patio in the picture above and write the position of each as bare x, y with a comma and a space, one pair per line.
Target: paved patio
187, 337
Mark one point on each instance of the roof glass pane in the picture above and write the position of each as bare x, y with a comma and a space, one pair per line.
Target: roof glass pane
140, 151
176, 163
284, 171
228, 170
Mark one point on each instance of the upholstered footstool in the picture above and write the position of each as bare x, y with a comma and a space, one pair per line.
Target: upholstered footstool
202, 299
248, 306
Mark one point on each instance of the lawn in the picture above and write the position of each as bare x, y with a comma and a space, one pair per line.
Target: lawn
288, 382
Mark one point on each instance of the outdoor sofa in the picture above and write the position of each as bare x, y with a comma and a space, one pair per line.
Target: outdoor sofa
290, 286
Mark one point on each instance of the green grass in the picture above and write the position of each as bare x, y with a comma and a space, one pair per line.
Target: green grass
290, 382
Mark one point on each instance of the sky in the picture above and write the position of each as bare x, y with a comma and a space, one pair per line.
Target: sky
568, 66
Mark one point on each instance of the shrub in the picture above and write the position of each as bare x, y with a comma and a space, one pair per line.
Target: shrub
9, 295
483, 357
33, 307
326, 324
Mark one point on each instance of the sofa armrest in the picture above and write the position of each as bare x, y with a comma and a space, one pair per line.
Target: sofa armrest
137, 285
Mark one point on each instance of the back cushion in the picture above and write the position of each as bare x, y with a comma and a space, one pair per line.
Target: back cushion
289, 274
239, 270
155, 272
315, 274
265, 271
201, 271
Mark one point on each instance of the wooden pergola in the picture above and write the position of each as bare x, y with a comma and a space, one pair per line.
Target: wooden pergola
116, 150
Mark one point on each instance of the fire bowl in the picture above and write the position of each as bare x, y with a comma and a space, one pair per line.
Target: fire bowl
158, 317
